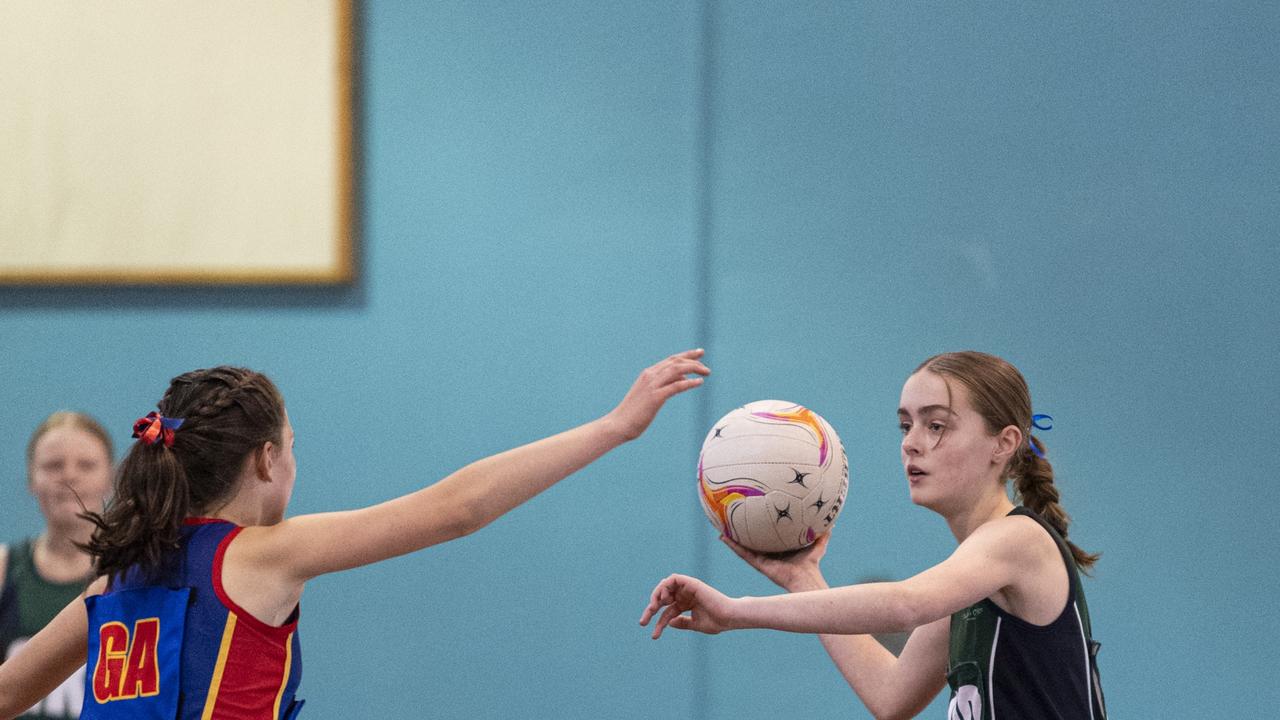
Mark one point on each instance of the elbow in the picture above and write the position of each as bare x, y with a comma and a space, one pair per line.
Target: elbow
885, 708
905, 617
900, 707
895, 707
905, 614
911, 609
469, 518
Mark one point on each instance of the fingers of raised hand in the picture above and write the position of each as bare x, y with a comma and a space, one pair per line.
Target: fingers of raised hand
663, 594
693, 354
656, 602
674, 369
687, 361
676, 388
671, 613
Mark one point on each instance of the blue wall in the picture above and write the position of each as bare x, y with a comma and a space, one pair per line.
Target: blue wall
555, 194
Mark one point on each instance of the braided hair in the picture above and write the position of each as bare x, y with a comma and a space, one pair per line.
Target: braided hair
1000, 395
227, 414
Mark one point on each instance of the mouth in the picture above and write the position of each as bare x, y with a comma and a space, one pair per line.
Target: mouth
914, 473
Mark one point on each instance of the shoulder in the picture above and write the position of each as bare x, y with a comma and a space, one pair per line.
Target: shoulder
4, 564
1016, 542
97, 587
1009, 535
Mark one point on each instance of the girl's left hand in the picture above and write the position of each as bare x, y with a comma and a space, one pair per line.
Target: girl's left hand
709, 609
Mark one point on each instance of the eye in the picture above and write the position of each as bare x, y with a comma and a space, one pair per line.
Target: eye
905, 427
936, 427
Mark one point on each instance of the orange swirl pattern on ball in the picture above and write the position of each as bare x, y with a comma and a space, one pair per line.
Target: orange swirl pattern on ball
803, 416
722, 498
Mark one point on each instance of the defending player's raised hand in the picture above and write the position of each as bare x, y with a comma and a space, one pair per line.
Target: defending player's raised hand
655, 385
709, 609
795, 571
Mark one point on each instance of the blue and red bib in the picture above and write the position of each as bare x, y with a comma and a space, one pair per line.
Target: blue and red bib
176, 646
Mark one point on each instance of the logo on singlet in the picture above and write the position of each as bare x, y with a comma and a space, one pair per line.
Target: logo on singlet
966, 705
127, 665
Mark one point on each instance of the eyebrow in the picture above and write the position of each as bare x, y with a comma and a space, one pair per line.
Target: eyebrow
927, 409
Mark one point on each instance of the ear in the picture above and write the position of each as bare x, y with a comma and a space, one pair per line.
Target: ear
1008, 443
264, 460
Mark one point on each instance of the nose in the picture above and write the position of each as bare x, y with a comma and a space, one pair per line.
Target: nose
911, 443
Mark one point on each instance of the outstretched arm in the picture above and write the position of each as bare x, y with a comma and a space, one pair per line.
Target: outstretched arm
890, 687
47, 659
304, 547
991, 558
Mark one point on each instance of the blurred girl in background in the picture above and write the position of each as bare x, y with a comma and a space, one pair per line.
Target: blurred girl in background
68, 463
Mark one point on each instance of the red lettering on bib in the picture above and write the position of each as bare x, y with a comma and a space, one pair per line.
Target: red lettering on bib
127, 667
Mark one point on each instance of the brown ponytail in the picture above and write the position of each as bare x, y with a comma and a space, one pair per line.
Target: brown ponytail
1033, 481
228, 413
999, 394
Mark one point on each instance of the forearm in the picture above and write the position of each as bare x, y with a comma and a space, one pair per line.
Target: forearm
852, 610
15, 698
45, 661
486, 489
869, 669
463, 502
866, 665
310, 545
874, 673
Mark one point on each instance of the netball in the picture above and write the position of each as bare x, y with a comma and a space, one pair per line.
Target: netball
772, 476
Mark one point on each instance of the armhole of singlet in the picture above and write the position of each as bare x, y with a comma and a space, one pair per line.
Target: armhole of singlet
242, 614
1064, 552
1068, 564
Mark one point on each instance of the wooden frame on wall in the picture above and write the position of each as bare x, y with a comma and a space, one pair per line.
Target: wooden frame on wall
177, 142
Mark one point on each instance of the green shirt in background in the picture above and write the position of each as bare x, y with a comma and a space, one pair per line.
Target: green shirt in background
27, 603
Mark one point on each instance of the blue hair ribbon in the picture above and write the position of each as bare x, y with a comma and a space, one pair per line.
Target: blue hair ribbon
1035, 423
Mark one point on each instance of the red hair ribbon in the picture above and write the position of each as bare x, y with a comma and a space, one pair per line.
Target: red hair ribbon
155, 428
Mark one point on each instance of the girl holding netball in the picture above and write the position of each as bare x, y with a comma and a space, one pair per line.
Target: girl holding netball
195, 612
1003, 620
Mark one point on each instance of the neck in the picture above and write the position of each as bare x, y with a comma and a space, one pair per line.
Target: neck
991, 507
243, 509
56, 557
60, 542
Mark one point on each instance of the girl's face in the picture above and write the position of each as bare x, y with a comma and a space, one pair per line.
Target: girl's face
67, 462
948, 454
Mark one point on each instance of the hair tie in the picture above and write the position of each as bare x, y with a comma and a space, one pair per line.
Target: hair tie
155, 428
1035, 423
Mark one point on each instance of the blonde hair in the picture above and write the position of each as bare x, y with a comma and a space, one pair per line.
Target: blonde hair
70, 418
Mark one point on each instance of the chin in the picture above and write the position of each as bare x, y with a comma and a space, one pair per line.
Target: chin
69, 516
921, 496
